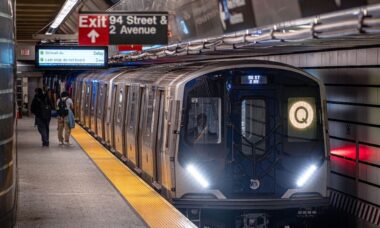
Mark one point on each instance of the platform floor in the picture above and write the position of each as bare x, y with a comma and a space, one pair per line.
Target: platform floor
60, 186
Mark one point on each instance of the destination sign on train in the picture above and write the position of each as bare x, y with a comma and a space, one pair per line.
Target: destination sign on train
123, 28
71, 57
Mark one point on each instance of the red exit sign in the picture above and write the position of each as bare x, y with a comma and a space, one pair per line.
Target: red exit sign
25, 52
93, 29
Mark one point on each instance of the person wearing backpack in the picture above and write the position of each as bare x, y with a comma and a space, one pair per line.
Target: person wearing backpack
64, 107
41, 108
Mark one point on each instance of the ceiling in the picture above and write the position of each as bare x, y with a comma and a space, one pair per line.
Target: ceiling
32, 16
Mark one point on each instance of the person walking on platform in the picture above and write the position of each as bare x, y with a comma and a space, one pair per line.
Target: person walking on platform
65, 117
41, 108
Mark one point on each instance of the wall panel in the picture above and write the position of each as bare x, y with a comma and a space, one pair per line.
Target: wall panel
352, 80
7, 110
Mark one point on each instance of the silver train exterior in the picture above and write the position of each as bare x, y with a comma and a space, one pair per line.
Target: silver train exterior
231, 135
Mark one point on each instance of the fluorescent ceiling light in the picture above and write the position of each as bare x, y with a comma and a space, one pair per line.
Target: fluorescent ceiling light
306, 175
197, 176
48, 33
65, 10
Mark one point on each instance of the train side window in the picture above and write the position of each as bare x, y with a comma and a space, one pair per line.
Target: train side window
160, 122
204, 122
119, 107
133, 107
100, 100
149, 112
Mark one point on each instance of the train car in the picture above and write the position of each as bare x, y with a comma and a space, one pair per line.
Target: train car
89, 88
103, 100
78, 93
239, 136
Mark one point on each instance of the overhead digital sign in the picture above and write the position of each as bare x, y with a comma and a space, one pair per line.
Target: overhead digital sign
71, 57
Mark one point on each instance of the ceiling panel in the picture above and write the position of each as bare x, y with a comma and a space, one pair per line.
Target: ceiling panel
32, 16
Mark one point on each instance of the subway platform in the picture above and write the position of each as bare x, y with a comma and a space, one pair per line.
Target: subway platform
60, 186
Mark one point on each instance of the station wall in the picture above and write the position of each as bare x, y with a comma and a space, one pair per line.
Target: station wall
7, 115
352, 80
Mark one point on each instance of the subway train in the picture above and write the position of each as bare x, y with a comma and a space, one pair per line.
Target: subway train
236, 142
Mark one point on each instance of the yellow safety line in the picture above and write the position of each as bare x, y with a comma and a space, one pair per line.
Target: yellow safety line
151, 206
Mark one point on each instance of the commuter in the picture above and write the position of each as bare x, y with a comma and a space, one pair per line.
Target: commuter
41, 108
65, 117
200, 133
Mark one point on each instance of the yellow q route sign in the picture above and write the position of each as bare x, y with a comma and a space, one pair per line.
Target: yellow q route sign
301, 114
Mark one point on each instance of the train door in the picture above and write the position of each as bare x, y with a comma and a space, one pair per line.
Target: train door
170, 124
134, 97
111, 125
255, 138
119, 115
159, 147
87, 109
101, 109
78, 99
149, 123
82, 101
93, 103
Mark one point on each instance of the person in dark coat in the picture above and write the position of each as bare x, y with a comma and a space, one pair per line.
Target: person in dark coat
201, 133
41, 108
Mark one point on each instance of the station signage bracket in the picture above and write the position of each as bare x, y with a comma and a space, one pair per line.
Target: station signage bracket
115, 28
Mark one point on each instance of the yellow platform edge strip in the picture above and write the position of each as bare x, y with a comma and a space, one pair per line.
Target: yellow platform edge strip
150, 205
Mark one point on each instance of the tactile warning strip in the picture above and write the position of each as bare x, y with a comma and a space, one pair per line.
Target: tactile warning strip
150, 205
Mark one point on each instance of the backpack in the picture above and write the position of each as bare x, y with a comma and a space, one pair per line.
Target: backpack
45, 109
62, 108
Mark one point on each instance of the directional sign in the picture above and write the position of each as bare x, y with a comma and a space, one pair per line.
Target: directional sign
93, 29
139, 28
123, 28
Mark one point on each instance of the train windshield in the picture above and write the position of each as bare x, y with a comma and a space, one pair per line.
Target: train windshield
253, 126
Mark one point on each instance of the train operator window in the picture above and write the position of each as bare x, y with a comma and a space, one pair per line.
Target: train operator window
204, 124
253, 126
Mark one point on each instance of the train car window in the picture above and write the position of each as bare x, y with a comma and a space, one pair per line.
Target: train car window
119, 107
302, 119
204, 123
149, 113
160, 122
253, 126
100, 100
133, 107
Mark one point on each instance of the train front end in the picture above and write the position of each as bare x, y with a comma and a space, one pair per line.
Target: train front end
252, 141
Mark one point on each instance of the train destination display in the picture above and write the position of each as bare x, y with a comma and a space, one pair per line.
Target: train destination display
71, 57
253, 80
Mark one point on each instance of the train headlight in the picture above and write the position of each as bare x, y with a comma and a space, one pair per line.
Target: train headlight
306, 175
197, 175
301, 114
